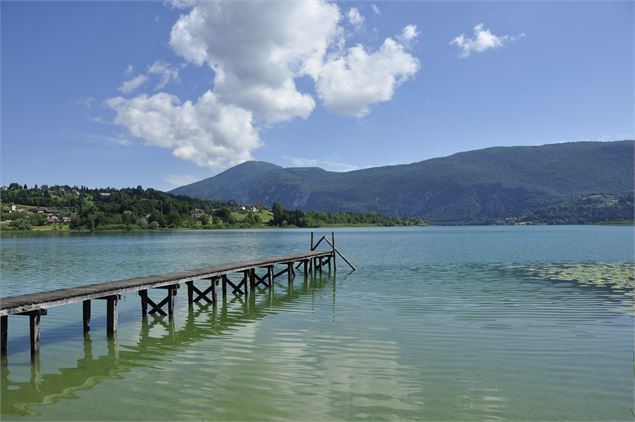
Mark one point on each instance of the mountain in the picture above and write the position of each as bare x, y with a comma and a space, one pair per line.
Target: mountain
471, 187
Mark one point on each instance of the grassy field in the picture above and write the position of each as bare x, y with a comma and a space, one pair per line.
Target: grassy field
264, 215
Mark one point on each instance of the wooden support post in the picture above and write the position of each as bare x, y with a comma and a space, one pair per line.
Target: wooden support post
224, 282
306, 265
214, 281
190, 292
86, 315
111, 315
34, 331
171, 295
144, 303
4, 330
252, 278
246, 281
311, 240
270, 276
333, 252
290, 272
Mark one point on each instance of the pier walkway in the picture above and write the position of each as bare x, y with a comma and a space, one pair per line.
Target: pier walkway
36, 305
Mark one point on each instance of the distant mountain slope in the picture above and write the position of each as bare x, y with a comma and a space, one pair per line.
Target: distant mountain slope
464, 188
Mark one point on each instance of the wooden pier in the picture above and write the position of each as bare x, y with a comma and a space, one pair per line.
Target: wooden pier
36, 305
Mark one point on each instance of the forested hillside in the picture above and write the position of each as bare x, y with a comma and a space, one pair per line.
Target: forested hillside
483, 186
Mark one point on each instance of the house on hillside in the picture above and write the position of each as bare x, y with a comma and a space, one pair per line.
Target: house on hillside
197, 213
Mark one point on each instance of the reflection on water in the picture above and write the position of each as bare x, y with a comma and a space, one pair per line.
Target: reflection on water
201, 322
481, 323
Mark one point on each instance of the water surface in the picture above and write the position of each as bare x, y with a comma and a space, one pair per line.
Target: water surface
439, 323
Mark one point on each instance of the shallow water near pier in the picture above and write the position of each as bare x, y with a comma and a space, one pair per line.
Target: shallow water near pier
438, 323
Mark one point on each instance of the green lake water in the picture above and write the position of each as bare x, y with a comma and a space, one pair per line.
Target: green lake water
438, 323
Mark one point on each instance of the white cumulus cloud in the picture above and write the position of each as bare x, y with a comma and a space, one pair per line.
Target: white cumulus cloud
376, 9
482, 40
133, 84
257, 49
409, 33
207, 132
164, 71
349, 84
256, 52
355, 18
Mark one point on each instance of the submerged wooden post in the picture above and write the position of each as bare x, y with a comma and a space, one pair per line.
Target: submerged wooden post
34, 331
190, 292
4, 329
171, 295
246, 278
86, 315
270, 276
111, 315
214, 281
290, 272
144, 303
252, 278
224, 282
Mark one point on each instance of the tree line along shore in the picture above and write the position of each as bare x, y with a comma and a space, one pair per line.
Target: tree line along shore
72, 208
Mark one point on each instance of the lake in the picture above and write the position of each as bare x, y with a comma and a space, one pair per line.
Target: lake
439, 323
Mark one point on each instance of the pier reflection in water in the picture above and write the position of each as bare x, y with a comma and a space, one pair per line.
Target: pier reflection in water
202, 321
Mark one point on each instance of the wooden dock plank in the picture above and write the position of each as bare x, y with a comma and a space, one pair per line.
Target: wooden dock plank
43, 300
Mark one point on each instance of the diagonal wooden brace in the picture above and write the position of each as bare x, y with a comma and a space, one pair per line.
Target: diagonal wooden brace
278, 274
261, 280
235, 287
156, 307
191, 289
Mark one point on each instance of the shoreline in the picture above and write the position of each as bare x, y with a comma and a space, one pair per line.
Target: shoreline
66, 230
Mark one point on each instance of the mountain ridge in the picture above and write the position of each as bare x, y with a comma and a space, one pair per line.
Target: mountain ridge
464, 188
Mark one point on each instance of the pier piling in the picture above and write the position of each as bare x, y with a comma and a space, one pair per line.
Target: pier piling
86, 315
4, 329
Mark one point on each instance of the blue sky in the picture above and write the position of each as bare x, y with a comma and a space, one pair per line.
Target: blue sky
340, 86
